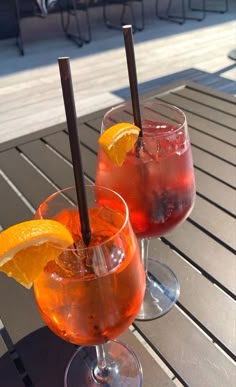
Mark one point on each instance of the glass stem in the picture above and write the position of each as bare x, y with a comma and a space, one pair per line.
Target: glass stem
101, 371
144, 245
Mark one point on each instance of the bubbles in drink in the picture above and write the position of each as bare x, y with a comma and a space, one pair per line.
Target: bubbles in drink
157, 181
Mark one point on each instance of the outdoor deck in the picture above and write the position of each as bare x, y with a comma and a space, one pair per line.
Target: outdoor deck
30, 91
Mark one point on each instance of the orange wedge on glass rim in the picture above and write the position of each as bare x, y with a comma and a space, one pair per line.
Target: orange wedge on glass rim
25, 248
118, 140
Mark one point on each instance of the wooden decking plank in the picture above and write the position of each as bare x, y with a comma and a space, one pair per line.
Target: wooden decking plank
34, 187
215, 102
12, 208
193, 357
211, 307
214, 166
207, 254
201, 110
215, 191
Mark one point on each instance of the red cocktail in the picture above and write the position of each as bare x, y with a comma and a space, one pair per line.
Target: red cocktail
156, 180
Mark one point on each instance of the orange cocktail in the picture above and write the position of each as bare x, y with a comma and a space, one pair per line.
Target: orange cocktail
89, 295
82, 302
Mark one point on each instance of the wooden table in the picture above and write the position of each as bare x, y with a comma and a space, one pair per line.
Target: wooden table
195, 343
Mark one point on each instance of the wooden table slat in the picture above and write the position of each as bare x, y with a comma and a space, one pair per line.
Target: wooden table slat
208, 100
200, 251
213, 309
12, 208
216, 191
201, 110
209, 217
209, 256
211, 128
210, 91
60, 143
151, 370
212, 145
24, 312
31, 184
193, 357
50, 163
214, 166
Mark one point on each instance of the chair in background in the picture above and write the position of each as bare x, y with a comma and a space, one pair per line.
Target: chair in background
24, 9
66, 8
126, 5
225, 6
182, 15
74, 17
69, 11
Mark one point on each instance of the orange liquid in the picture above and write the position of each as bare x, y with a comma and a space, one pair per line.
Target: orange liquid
87, 308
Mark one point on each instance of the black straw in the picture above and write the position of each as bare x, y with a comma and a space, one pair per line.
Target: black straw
130, 57
68, 96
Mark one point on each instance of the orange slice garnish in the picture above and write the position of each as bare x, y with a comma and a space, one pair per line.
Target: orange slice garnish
25, 248
118, 140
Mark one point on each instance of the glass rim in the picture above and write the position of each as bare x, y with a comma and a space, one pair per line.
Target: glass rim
145, 104
61, 191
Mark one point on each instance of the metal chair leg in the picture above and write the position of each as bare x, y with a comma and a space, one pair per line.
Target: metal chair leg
180, 19
66, 22
89, 33
136, 26
124, 4
19, 38
225, 9
167, 16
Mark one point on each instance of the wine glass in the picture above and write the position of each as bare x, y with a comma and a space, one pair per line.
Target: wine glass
91, 294
157, 182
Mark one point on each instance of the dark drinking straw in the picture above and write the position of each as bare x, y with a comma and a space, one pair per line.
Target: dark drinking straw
69, 102
130, 57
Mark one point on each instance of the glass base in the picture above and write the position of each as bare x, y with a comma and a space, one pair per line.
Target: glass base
124, 368
162, 291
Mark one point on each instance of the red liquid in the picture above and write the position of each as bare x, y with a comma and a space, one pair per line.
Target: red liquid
159, 187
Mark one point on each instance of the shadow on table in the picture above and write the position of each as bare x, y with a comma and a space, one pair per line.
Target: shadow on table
212, 80
42, 357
